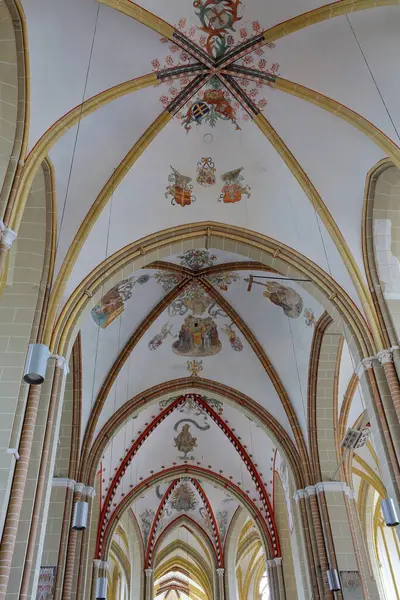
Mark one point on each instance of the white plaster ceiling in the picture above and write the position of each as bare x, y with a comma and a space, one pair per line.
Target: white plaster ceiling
78, 48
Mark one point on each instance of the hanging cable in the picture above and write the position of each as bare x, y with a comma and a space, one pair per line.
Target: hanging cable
78, 126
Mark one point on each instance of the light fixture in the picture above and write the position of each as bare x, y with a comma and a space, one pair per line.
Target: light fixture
101, 588
389, 512
79, 520
333, 580
354, 438
36, 363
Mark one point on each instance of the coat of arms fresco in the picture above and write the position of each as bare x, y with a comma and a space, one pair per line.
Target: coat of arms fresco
212, 104
206, 172
233, 189
180, 189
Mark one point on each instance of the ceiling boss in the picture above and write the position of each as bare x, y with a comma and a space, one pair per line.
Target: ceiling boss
217, 70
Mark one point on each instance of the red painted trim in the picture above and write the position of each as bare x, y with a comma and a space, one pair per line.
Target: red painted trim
194, 471
214, 525
146, 433
195, 524
156, 519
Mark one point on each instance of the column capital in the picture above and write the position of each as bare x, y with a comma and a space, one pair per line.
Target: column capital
368, 363
8, 235
385, 356
63, 482
220, 572
278, 561
79, 487
299, 495
149, 572
61, 363
89, 491
334, 486
271, 564
97, 563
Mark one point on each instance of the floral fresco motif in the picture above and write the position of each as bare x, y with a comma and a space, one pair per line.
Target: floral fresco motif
158, 339
194, 367
112, 303
212, 103
167, 280
197, 337
197, 259
191, 406
222, 522
233, 189
183, 498
194, 298
180, 189
234, 339
309, 317
206, 172
217, 18
146, 519
224, 280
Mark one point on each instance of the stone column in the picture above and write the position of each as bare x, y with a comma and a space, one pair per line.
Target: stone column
280, 578
89, 493
273, 580
95, 574
381, 429
333, 497
385, 357
149, 584
221, 583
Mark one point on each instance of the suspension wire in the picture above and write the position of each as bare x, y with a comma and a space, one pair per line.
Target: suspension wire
78, 128
298, 371
372, 77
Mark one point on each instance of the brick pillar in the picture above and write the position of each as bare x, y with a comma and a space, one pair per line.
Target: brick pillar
69, 574
320, 540
386, 359
18, 487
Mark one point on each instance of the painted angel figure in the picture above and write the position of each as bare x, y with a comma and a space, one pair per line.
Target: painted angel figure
158, 339
234, 339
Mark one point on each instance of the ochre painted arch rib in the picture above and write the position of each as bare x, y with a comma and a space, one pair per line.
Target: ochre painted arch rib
141, 15
329, 11
93, 214
327, 219
343, 112
50, 137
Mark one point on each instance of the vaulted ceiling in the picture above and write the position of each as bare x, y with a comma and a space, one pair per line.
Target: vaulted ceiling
243, 114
